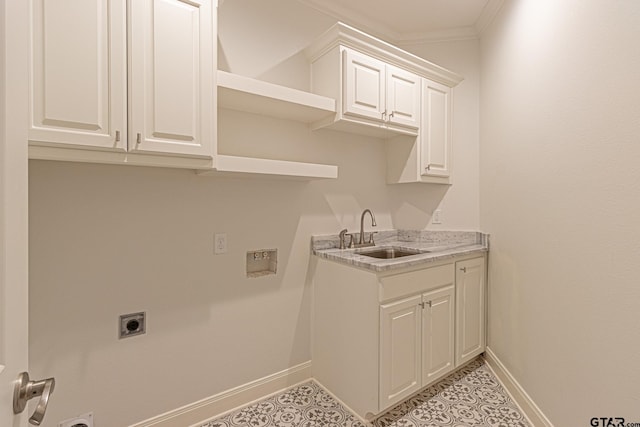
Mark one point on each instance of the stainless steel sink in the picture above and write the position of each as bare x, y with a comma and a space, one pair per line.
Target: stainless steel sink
388, 253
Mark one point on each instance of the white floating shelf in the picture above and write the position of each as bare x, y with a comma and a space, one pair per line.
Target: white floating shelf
254, 96
250, 166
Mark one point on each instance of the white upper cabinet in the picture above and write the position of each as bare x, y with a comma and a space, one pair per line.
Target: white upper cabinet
378, 87
102, 102
171, 77
364, 86
435, 134
374, 97
403, 97
427, 158
78, 73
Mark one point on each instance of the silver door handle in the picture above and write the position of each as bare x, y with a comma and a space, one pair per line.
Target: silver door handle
25, 390
463, 269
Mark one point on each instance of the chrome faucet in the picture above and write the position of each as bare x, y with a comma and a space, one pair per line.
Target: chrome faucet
373, 224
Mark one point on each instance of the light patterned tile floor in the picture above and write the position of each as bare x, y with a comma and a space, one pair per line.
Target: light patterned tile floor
469, 397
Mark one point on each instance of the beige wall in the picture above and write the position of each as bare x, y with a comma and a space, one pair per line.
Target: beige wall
109, 240
560, 195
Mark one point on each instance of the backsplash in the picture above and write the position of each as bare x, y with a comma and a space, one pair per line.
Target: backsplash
439, 238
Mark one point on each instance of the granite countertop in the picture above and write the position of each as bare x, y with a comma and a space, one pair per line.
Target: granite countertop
433, 246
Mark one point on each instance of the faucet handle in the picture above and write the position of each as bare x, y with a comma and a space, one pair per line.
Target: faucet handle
371, 237
341, 237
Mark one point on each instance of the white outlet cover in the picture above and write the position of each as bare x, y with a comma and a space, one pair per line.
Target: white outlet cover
79, 421
437, 217
220, 243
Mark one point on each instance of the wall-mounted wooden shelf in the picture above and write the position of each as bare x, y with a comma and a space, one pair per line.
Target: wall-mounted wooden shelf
235, 166
241, 93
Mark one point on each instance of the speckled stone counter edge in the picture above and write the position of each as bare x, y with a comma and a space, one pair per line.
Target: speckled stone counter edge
433, 246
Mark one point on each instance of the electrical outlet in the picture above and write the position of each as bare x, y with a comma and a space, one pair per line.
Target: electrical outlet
220, 243
85, 420
437, 217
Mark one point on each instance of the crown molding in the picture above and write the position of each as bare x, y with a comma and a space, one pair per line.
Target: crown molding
343, 35
488, 14
382, 30
448, 35
349, 17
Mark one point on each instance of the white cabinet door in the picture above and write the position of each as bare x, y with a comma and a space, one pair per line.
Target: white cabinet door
470, 307
78, 73
171, 72
403, 97
400, 324
438, 320
435, 130
363, 86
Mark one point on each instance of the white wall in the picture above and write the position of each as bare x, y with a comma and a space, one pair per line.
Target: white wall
109, 240
560, 195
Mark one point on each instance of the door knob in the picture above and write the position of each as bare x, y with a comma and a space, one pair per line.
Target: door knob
24, 390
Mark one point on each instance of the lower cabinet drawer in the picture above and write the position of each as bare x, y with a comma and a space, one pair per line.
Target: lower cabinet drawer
415, 282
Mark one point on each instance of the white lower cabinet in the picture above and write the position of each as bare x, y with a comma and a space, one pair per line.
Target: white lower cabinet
380, 338
438, 321
416, 343
470, 301
400, 337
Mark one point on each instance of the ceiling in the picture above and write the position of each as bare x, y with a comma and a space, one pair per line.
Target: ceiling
413, 21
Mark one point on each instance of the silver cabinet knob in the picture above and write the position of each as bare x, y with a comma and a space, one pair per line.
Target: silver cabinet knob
25, 390
427, 168
463, 269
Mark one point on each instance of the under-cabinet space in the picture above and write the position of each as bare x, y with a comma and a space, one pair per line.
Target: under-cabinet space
252, 104
264, 147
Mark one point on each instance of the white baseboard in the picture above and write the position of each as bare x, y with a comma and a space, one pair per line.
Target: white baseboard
518, 394
337, 399
199, 412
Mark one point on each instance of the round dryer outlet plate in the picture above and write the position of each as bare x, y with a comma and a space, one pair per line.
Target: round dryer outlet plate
85, 420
